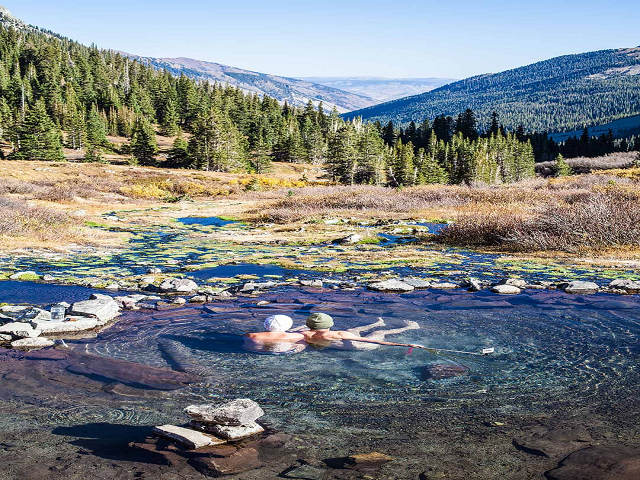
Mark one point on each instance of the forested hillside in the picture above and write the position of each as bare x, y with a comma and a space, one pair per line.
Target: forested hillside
563, 93
56, 92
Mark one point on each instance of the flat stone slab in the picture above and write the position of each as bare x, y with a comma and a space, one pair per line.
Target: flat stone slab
103, 307
191, 439
39, 342
416, 282
70, 325
515, 282
20, 329
599, 463
393, 285
241, 411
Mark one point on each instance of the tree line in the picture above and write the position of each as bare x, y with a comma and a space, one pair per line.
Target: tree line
56, 93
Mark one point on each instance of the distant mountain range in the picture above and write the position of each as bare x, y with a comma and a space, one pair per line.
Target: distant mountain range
380, 88
294, 91
556, 95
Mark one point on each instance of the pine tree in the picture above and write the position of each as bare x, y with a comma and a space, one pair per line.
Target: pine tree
38, 138
95, 136
169, 126
143, 142
260, 158
178, 156
561, 167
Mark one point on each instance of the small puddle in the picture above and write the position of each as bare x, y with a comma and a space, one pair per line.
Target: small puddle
232, 270
206, 221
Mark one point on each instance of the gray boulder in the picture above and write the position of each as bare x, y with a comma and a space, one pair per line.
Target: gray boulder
515, 282
29, 275
392, 285
580, 287
312, 283
102, 307
505, 289
178, 285
241, 411
628, 286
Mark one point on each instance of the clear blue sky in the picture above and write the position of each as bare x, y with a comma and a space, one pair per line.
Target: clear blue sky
455, 38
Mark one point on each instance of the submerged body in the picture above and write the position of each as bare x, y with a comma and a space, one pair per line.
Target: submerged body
350, 339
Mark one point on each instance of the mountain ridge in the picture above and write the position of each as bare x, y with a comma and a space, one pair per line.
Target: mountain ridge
557, 94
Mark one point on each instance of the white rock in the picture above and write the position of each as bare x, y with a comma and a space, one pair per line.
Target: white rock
580, 287
393, 285
102, 307
71, 324
231, 432
630, 286
505, 289
5, 337
179, 301
416, 282
40, 342
515, 282
241, 411
20, 330
349, 239
189, 438
444, 285
178, 285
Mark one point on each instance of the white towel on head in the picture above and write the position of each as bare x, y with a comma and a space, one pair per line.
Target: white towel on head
278, 323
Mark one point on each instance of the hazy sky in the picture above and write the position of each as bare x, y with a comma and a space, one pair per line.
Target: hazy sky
345, 37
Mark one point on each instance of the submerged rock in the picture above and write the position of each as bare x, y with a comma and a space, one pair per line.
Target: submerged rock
242, 460
178, 285
241, 411
580, 287
440, 371
253, 286
599, 463
505, 289
554, 442
393, 285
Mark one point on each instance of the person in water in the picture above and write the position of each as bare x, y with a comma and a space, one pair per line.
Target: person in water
319, 334
275, 339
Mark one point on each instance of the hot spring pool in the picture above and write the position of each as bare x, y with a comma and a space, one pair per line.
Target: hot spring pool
556, 355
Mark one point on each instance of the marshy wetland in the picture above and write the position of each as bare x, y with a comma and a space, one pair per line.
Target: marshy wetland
563, 377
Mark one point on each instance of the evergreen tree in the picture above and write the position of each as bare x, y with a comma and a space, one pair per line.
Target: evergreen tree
389, 134
143, 142
260, 158
561, 167
38, 138
95, 136
178, 156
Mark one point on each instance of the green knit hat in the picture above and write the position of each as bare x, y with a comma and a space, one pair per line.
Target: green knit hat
319, 321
